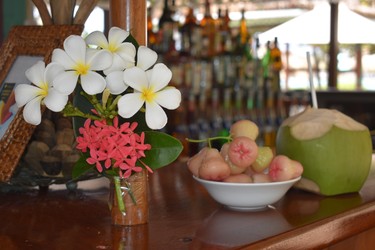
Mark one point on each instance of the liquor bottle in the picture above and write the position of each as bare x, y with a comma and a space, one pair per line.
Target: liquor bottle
276, 65
257, 69
243, 43
219, 34
270, 128
244, 33
166, 28
208, 32
266, 67
173, 9
190, 36
270, 116
226, 33
243, 55
151, 36
223, 51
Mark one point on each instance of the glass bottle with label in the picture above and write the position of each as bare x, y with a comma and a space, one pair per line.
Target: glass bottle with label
208, 32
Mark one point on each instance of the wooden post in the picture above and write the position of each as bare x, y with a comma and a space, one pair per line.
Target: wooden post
333, 47
130, 15
358, 67
287, 66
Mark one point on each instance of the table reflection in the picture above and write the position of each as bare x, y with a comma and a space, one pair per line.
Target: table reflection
226, 229
135, 237
301, 208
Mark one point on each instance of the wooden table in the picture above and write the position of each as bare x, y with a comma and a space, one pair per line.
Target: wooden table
183, 216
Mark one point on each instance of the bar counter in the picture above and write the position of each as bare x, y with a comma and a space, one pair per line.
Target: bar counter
184, 216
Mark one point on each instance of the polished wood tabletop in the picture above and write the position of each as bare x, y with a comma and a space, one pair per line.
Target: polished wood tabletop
182, 216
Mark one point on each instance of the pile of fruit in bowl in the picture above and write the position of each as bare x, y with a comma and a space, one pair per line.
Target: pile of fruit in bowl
242, 175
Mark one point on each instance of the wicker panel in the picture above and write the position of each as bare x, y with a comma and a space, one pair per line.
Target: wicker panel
30, 41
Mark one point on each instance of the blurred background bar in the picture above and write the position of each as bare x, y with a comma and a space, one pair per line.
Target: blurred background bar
247, 59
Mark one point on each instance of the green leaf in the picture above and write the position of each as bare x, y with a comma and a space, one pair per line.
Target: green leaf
81, 167
164, 149
84, 105
131, 39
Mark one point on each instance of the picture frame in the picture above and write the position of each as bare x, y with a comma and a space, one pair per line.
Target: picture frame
24, 46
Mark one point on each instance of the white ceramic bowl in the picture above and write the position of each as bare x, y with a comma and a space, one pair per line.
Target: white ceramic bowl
247, 196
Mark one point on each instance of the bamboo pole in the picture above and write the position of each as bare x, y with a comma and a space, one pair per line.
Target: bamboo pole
130, 15
43, 11
84, 11
62, 11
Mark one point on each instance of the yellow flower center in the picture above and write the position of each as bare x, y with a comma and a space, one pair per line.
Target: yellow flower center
82, 68
148, 95
112, 47
43, 92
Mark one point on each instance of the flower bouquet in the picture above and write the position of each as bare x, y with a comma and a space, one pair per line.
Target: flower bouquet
115, 91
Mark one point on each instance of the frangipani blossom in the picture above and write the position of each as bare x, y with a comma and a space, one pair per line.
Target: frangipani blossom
80, 63
42, 92
123, 53
115, 82
150, 88
146, 57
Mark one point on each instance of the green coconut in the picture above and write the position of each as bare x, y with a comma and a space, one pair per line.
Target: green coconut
334, 149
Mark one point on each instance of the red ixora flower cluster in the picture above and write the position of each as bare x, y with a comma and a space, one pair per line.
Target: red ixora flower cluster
113, 145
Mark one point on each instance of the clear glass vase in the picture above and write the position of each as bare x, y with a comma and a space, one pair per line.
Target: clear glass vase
128, 199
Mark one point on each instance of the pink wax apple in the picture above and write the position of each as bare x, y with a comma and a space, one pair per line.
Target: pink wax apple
233, 168
283, 168
195, 162
244, 128
242, 151
213, 166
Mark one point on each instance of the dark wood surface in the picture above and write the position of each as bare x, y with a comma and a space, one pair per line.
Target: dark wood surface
182, 216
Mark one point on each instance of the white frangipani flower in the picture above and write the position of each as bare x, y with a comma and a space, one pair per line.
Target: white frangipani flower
146, 57
80, 62
115, 82
150, 88
33, 96
123, 53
